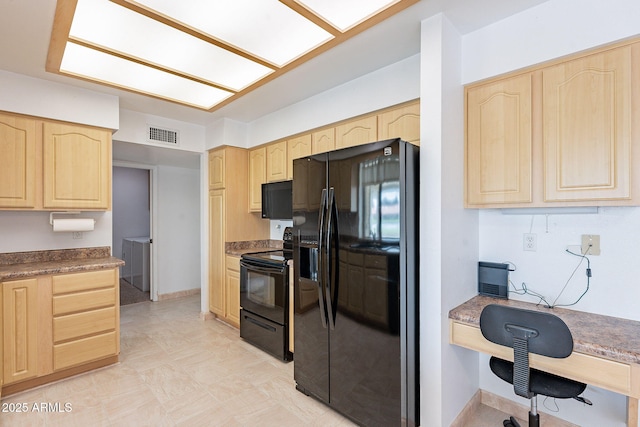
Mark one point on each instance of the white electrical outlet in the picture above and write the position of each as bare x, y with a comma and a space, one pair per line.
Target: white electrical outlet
530, 242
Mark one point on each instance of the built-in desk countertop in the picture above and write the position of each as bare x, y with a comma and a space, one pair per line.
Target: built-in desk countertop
606, 350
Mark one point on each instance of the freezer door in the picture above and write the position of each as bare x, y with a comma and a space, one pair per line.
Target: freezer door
364, 287
311, 358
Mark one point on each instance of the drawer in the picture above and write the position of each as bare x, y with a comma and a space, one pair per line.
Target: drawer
598, 371
355, 258
265, 334
82, 324
84, 350
84, 281
83, 301
233, 263
376, 261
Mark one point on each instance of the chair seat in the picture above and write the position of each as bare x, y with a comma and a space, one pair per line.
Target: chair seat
540, 382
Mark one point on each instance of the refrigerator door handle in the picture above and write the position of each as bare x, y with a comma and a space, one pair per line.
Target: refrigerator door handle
332, 223
321, 258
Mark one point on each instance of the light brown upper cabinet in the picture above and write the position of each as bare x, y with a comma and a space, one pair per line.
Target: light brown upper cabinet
323, 140
498, 148
588, 112
257, 177
402, 123
277, 161
18, 162
560, 134
216, 169
357, 132
297, 148
49, 165
76, 167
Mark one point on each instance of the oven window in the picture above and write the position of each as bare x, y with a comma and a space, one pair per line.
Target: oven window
261, 289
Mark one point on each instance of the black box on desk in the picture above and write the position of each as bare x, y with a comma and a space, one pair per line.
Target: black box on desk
493, 279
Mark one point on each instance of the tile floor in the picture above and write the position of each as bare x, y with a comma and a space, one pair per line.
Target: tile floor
177, 370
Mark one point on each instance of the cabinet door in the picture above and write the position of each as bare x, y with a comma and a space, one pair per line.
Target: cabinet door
17, 162
498, 142
77, 167
357, 132
401, 123
216, 169
257, 176
296, 148
20, 315
323, 141
216, 252
277, 161
233, 292
587, 110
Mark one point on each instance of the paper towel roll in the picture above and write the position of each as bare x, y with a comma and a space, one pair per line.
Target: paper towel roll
73, 224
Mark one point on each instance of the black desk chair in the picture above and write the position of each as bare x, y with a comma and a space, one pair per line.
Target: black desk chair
528, 331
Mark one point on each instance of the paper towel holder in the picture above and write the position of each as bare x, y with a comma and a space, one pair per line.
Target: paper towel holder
89, 223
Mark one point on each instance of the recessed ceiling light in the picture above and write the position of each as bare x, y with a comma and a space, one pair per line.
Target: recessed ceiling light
93, 64
201, 53
265, 28
344, 14
142, 38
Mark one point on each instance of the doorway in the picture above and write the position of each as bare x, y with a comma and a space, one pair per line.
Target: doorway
132, 230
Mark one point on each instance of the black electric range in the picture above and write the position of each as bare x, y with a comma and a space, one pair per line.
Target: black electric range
264, 297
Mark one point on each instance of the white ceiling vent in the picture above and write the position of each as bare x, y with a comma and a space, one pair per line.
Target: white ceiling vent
157, 134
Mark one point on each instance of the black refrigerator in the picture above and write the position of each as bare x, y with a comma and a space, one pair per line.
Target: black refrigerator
355, 238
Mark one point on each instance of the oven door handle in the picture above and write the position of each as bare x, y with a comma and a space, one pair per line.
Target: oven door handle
261, 269
321, 258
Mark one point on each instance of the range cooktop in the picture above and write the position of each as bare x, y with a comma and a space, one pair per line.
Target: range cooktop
277, 256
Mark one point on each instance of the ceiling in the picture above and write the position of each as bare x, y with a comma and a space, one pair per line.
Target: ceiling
26, 25
203, 54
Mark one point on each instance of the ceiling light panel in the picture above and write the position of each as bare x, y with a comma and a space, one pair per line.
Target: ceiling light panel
95, 65
344, 14
265, 28
143, 38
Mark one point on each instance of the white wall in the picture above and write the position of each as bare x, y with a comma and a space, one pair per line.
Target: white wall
177, 225
387, 86
41, 98
276, 228
130, 206
22, 231
550, 30
133, 128
448, 232
226, 132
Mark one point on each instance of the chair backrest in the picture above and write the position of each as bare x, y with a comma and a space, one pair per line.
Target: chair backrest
547, 334
526, 331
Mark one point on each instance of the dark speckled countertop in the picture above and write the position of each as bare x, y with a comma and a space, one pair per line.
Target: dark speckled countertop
18, 265
609, 337
249, 246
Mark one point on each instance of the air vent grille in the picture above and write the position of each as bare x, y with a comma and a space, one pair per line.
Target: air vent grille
168, 136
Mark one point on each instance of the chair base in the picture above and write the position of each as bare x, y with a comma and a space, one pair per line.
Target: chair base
511, 422
534, 421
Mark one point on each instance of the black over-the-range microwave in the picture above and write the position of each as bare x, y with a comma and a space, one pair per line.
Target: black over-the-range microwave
276, 200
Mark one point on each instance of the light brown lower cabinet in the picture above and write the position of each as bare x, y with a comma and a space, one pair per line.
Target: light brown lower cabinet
232, 291
58, 325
